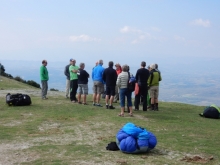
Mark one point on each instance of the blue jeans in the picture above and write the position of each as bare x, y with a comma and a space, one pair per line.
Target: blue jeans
124, 92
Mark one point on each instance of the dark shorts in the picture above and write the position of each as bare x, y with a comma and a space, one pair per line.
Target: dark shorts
110, 90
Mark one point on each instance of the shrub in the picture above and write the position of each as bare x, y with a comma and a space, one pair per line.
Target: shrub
18, 78
52, 89
33, 83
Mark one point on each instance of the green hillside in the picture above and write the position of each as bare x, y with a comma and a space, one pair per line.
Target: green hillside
6, 83
55, 131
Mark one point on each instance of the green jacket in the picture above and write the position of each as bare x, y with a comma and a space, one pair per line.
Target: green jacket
44, 73
154, 78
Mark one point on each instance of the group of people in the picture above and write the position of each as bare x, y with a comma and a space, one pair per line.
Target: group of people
114, 82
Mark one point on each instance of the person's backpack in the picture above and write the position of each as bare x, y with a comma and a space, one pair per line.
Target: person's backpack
131, 83
18, 99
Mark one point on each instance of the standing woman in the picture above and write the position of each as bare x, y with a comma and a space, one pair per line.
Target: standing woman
122, 83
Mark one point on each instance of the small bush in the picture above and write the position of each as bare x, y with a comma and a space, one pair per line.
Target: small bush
52, 89
33, 83
18, 78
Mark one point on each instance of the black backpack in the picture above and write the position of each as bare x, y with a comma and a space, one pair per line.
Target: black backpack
18, 99
131, 86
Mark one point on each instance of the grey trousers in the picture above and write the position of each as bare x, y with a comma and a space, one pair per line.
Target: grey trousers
44, 88
67, 87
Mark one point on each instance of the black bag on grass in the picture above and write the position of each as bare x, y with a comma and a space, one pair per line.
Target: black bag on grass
18, 99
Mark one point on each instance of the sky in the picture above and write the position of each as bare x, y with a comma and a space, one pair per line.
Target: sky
125, 31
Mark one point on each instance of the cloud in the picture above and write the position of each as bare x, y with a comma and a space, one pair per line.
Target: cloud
178, 38
155, 29
83, 38
127, 29
201, 22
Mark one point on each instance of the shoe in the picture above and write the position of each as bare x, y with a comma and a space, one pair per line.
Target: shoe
156, 109
67, 97
44, 98
106, 106
121, 115
73, 101
130, 114
85, 104
98, 105
79, 102
111, 107
94, 104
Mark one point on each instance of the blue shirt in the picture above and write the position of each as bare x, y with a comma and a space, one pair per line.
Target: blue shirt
97, 73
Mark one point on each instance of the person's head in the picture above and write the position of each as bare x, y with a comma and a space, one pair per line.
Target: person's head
156, 66
72, 61
44, 62
82, 65
143, 64
124, 68
96, 63
117, 65
110, 63
101, 62
152, 66
148, 67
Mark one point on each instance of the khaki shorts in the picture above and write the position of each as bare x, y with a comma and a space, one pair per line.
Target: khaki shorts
98, 87
83, 89
154, 92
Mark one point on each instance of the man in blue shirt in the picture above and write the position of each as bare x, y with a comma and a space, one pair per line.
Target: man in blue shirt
98, 85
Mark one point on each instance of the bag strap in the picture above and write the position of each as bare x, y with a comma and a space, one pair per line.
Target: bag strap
129, 76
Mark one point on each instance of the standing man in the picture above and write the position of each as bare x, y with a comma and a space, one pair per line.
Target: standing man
110, 77
153, 83
118, 71
73, 69
141, 77
67, 73
82, 84
98, 85
44, 78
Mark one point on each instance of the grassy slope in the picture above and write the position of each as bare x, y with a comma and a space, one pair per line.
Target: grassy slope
7, 83
59, 132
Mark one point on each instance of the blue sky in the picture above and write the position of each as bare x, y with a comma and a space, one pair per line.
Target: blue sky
124, 31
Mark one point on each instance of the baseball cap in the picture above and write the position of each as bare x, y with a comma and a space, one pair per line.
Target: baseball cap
72, 59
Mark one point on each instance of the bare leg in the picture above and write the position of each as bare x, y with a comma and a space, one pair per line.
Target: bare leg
94, 98
84, 98
111, 100
98, 98
106, 99
79, 97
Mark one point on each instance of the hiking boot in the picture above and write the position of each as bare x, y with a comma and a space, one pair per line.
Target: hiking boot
98, 105
156, 107
152, 107
111, 107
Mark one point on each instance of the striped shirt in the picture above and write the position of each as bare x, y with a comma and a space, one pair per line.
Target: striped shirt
122, 80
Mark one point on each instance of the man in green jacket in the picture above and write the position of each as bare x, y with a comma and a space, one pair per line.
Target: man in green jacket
73, 69
44, 78
153, 83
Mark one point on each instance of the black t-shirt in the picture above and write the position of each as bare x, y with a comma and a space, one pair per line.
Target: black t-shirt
82, 76
142, 76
